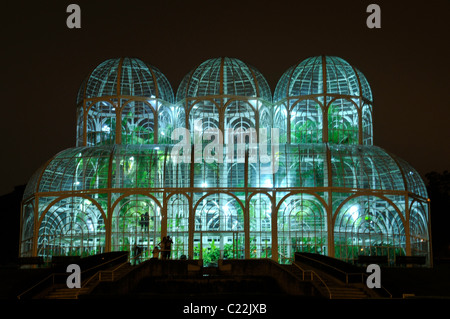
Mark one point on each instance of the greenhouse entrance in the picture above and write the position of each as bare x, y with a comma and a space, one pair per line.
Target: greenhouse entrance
212, 246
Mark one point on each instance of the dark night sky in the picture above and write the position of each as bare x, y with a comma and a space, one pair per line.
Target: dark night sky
407, 62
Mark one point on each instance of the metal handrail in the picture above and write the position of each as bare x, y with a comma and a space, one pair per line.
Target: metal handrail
337, 269
52, 276
363, 275
111, 271
106, 262
99, 273
311, 272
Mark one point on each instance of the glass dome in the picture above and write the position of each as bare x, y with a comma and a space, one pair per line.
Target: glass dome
323, 75
224, 76
123, 100
125, 77
225, 94
324, 85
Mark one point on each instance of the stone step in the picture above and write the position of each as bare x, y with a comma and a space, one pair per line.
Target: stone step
66, 293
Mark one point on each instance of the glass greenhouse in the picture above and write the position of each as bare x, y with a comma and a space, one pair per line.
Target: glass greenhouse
316, 185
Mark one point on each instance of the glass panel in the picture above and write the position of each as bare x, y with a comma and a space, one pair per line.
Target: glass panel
260, 216
301, 226
72, 226
136, 222
368, 226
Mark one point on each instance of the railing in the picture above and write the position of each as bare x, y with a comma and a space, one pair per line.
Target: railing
47, 281
344, 276
311, 273
358, 277
98, 274
51, 279
103, 275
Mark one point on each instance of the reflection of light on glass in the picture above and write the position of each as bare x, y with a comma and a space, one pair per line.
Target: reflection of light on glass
204, 184
268, 212
106, 128
198, 126
353, 211
225, 209
90, 224
267, 183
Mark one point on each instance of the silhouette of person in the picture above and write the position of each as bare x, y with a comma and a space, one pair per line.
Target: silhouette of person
168, 247
163, 247
137, 253
142, 222
146, 221
155, 252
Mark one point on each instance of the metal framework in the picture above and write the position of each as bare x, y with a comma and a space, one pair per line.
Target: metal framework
332, 192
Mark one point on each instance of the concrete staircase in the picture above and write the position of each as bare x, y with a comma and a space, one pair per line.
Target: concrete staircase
329, 286
62, 292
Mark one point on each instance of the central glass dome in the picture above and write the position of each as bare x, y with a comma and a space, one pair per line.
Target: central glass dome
224, 76
225, 94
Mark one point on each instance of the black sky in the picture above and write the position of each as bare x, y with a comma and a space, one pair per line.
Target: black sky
407, 62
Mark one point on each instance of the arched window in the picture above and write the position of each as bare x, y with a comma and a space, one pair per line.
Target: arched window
368, 226
301, 222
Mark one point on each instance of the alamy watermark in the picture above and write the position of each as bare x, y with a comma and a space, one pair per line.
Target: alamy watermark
374, 19
374, 279
73, 21
74, 279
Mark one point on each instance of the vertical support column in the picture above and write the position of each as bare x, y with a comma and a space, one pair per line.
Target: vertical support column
118, 122
330, 225
407, 227
118, 107
329, 208
156, 122
246, 210
164, 205
109, 210
108, 225
191, 219
274, 217
360, 125
35, 227
325, 104
85, 111
191, 207
164, 216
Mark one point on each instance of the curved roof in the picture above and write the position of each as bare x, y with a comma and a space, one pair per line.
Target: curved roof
224, 76
298, 166
320, 75
126, 77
